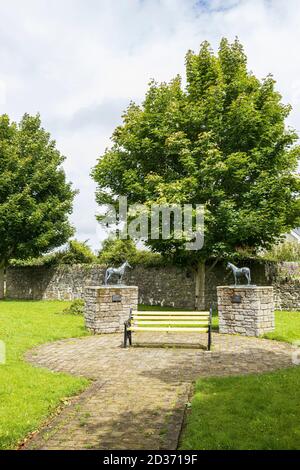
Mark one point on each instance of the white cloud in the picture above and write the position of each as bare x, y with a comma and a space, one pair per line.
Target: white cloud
79, 62
2, 92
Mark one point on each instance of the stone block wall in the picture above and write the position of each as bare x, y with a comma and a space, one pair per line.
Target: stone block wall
162, 285
170, 285
246, 310
52, 283
108, 307
165, 286
287, 295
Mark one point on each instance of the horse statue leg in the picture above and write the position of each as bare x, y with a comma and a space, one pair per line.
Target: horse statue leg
107, 277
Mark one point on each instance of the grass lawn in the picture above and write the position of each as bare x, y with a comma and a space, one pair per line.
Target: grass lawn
28, 395
251, 412
287, 327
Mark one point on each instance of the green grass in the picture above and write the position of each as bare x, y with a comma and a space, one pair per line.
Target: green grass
28, 395
287, 327
250, 412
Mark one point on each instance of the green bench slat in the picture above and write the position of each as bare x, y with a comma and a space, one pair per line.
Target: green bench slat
164, 322
143, 328
164, 317
173, 313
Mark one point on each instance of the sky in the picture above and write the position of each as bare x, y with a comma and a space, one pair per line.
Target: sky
80, 62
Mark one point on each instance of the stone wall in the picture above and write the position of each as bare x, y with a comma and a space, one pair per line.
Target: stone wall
107, 307
286, 282
246, 310
287, 295
49, 283
163, 285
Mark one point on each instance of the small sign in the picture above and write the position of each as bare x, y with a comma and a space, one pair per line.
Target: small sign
116, 298
236, 299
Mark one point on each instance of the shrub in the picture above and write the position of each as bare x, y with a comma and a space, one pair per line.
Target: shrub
77, 253
76, 307
147, 258
286, 251
115, 252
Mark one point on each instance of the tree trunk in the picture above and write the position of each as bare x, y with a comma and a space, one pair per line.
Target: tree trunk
200, 287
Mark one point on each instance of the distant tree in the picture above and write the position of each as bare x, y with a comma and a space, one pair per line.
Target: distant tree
77, 253
115, 252
222, 142
284, 251
35, 198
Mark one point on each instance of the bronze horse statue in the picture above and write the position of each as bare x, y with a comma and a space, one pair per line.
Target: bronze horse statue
119, 272
239, 272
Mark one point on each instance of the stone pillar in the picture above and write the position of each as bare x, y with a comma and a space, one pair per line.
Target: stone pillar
108, 307
246, 310
1, 283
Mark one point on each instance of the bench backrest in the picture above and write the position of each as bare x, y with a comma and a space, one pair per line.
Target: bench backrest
170, 319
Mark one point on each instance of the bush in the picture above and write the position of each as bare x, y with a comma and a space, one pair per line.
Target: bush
76, 307
46, 260
286, 251
77, 253
115, 252
147, 258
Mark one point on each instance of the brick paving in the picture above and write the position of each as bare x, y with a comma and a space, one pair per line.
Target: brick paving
137, 396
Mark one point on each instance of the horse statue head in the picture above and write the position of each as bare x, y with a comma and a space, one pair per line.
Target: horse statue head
127, 265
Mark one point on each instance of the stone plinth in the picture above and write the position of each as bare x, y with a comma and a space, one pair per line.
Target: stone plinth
108, 307
246, 310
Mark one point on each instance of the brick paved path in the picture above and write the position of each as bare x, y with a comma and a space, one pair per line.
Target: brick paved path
138, 395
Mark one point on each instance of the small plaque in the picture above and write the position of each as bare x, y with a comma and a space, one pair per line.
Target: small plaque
116, 298
236, 299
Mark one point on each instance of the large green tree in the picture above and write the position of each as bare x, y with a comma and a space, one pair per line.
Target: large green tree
35, 198
222, 142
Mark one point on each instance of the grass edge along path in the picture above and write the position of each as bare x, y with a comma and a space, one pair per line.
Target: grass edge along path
30, 395
248, 412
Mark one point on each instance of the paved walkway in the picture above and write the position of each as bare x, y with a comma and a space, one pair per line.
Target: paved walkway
138, 395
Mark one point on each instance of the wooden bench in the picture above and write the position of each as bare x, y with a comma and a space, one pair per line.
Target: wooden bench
185, 322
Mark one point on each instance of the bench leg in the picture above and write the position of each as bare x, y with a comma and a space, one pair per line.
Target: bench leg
125, 335
130, 337
209, 339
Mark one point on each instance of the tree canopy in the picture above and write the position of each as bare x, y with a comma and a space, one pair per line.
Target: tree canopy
222, 142
35, 198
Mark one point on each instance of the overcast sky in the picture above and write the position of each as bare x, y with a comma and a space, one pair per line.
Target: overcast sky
79, 63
